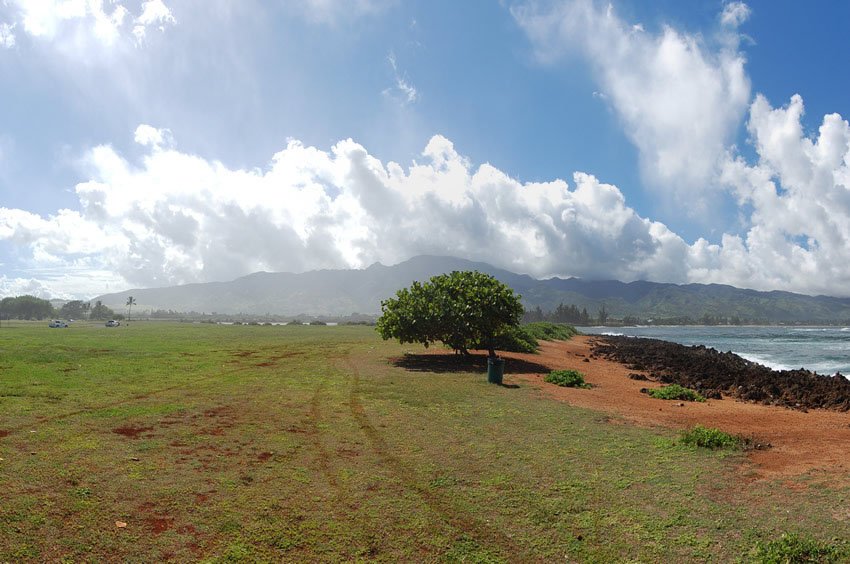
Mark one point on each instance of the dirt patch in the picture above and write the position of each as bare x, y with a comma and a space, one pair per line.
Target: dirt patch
266, 364
263, 456
159, 524
3, 433
818, 440
67, 369
711, 373
243, 354
131, 432
221, 411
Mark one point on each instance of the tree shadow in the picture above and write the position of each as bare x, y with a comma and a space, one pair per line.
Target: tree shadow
450, 362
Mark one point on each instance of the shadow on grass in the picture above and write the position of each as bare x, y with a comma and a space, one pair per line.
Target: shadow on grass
450, 362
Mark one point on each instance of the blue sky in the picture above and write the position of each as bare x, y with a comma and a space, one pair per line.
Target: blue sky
149, 143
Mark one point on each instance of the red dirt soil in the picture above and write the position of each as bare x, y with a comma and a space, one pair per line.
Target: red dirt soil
817, 440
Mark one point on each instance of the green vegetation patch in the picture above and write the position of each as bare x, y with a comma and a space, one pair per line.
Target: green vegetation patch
793, 548
675, 392
567, 379
514, 339
524, 339
707, 437
546, 331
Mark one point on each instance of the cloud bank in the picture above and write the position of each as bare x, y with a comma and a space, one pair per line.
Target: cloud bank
175, 218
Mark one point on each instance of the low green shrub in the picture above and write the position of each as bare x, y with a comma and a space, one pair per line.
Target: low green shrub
547, 331
516, 339
675, 392
707, 437
793, 548
567, 378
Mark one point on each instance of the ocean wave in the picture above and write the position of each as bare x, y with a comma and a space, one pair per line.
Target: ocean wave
763, 362
613, 334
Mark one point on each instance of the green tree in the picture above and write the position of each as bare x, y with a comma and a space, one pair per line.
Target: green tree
100, 311
26, 307
461, 309
75, 309
603, 314
131, 301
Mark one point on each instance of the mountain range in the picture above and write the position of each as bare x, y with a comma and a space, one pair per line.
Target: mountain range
343, 292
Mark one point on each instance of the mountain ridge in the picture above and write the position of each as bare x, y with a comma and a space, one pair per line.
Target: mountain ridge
340, 292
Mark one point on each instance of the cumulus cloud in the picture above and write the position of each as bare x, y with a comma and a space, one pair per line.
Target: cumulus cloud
799, 192
173, 217
75, 23
680, 100
177, 218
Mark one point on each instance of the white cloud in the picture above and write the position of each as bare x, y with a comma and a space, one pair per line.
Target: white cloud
7, 37
403, 89
799, 191
680, 101
149, 136
734, 14
76, 25
177, 218
154, 13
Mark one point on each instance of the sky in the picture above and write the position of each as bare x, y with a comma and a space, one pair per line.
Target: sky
162, 142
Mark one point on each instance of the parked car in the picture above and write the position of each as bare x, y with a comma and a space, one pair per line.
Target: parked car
58, 323
113, 323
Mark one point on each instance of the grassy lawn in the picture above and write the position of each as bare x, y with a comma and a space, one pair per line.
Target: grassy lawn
254, 443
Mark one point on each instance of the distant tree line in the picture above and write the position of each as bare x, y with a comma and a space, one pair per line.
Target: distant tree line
31, 307
571, 314
25, 307
562, 314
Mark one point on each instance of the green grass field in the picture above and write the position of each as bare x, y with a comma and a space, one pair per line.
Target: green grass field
254, 443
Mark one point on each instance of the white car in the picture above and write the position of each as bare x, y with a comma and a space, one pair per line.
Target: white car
58, 323
113, 323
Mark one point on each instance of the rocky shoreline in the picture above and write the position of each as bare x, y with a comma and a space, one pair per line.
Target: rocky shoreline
715, 374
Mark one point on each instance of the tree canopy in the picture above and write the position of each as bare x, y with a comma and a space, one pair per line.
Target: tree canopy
25, 307
100, 311
463, 310
75, 309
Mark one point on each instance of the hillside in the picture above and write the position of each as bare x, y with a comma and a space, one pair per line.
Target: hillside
342, 292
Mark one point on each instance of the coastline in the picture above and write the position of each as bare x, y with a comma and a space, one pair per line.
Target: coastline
802, 442
821, 349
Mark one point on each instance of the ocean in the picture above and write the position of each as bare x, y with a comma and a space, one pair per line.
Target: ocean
825, 350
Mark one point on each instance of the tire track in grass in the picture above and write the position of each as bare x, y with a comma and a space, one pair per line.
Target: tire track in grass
480, 532
314, 433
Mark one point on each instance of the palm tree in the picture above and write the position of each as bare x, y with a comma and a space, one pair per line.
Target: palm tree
131, 301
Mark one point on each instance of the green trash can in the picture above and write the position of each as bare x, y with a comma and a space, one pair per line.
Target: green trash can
495, 369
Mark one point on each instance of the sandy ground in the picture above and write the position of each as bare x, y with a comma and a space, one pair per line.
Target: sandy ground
816, 442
